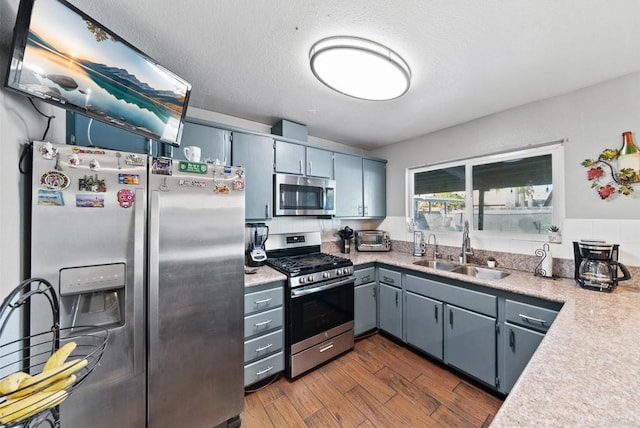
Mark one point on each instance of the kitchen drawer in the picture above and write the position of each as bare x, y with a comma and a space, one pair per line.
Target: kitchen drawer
390, 277
469, 299
263, 368
263, 300
530, 316
365, 275
262, 322
262, 346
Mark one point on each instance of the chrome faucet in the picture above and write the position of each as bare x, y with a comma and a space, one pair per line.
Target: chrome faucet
466, 243
435, 245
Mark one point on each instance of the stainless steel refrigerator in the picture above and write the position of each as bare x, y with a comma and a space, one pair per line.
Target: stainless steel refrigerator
153, 250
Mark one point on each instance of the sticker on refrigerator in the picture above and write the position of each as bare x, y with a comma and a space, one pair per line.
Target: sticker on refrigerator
221, 189
54, 180
134, 160
126, 198
192, 183
47, 150
88, 151
129, 178
162, 166
89, 201
193, 167
50, 197
238, 182
92, 184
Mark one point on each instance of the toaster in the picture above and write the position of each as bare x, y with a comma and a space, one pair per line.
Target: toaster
372, 240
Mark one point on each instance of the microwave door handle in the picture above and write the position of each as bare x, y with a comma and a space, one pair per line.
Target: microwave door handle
324, 198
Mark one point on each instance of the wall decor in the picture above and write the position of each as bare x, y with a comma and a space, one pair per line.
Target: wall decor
608, 176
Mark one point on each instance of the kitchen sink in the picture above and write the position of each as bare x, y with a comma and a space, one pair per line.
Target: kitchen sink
480, 272
436, 264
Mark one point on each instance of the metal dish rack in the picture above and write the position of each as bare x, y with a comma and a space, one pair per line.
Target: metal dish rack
30, 353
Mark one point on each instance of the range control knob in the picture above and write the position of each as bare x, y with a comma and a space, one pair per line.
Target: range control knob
326, 275
338, 271
301, 281
310, 278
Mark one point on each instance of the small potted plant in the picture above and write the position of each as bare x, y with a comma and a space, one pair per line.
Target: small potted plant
491, 261
554, 234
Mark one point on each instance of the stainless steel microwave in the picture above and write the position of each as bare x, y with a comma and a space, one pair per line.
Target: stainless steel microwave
298, 195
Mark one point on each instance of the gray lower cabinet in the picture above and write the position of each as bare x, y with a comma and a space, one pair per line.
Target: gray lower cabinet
520, 344
390, 305
470, 343
263, 332
365, 300
425, 324
255, 154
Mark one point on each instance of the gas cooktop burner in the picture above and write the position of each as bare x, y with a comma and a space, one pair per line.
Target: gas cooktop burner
307, 263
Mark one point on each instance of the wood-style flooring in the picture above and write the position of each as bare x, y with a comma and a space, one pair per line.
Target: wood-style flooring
378, 384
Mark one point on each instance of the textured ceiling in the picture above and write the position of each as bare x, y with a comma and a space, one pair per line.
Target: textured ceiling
469, 58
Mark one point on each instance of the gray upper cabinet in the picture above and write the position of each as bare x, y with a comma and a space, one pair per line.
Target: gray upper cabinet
291, 158
319, 163
255, 154
374, 176
360, 187
348, 185
214, 143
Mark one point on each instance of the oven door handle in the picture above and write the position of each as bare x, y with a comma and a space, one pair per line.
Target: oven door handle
299, 293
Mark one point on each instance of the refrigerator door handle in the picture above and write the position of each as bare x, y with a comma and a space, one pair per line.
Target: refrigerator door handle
138, 278
154, 279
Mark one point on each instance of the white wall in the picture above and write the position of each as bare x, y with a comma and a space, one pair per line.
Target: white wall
591, 119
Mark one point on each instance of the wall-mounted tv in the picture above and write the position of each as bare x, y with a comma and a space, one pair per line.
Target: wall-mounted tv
66, 58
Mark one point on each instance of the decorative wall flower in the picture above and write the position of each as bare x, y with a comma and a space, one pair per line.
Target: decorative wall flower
619, 182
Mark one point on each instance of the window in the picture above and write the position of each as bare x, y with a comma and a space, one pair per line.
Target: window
507, 193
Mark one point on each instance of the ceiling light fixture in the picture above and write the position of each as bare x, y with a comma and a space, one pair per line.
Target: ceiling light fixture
360, 68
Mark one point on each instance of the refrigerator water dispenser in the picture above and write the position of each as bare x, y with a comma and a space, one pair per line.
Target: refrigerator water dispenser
92, 295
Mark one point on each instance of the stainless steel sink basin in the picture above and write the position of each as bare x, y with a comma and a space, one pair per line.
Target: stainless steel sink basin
480, 272
436, 264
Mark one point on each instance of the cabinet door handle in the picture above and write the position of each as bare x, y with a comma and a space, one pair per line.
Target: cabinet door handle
261, 372
259, 302
512, 340
360, 210
435, 307
264, 348
300, 163
451, 318
260, 324
366, 210
266, 210
532, 319
396, 299
310, 167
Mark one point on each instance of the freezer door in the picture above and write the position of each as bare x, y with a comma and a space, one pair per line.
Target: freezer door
86, 236
196, 282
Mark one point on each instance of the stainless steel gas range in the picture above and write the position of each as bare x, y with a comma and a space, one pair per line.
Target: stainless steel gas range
318, 300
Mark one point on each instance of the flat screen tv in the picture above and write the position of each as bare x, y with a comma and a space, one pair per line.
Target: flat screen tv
66, 58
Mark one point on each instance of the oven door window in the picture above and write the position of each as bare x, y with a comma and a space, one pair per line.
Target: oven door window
315, 313
296, 197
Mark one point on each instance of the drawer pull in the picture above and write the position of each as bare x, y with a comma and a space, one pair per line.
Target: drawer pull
267, 370
260, 324
388, 280
326, 348
260, 302
532, 319
366, 278
264, 347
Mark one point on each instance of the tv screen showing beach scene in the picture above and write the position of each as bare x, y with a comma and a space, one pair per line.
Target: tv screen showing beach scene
66, 58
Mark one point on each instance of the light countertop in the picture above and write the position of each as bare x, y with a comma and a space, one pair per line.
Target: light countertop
586, 371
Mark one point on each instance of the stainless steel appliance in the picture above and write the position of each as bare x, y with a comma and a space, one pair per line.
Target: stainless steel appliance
298, 195
153, 250
319, 300
596, 265
372, 240
258, 235
346, 235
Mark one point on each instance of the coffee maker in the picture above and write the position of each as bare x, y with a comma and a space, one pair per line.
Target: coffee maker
258, 235
596, 265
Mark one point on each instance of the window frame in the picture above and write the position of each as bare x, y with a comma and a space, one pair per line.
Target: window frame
556, 150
